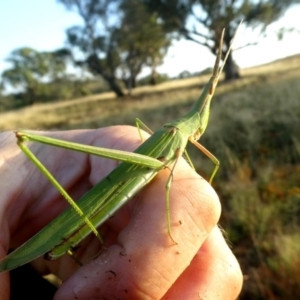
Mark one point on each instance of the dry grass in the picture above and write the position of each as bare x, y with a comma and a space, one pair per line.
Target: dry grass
253, 130
105, 109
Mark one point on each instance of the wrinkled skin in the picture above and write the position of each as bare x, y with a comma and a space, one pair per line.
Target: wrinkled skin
140, 260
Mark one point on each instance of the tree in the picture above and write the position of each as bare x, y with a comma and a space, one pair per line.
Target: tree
141, 39
117, 38
202, 21
31, 69
95, 40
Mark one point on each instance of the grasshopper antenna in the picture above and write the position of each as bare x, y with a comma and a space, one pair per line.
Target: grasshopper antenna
217, 72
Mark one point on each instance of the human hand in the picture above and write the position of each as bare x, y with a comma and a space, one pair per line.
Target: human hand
141, 261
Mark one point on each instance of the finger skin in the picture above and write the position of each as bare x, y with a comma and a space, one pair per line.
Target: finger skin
8, 154
214, 273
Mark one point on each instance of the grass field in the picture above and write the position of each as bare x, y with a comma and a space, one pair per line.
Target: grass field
254, 130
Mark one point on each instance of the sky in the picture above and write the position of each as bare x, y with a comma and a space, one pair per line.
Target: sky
42, 24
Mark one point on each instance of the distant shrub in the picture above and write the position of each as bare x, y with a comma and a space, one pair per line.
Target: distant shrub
160, 78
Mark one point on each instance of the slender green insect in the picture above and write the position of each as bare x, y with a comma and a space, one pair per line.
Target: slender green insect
161, 150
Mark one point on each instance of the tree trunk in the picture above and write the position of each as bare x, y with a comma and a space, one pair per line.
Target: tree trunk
231, 69
128, 84
153, 79
95, 66
30, 95
114, 85
133, 81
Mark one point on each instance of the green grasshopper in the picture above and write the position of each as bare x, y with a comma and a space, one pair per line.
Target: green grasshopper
161, 150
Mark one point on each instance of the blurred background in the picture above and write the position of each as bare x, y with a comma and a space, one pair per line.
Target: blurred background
69, 64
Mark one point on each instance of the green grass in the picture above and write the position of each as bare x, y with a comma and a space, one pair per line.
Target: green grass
253, 130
